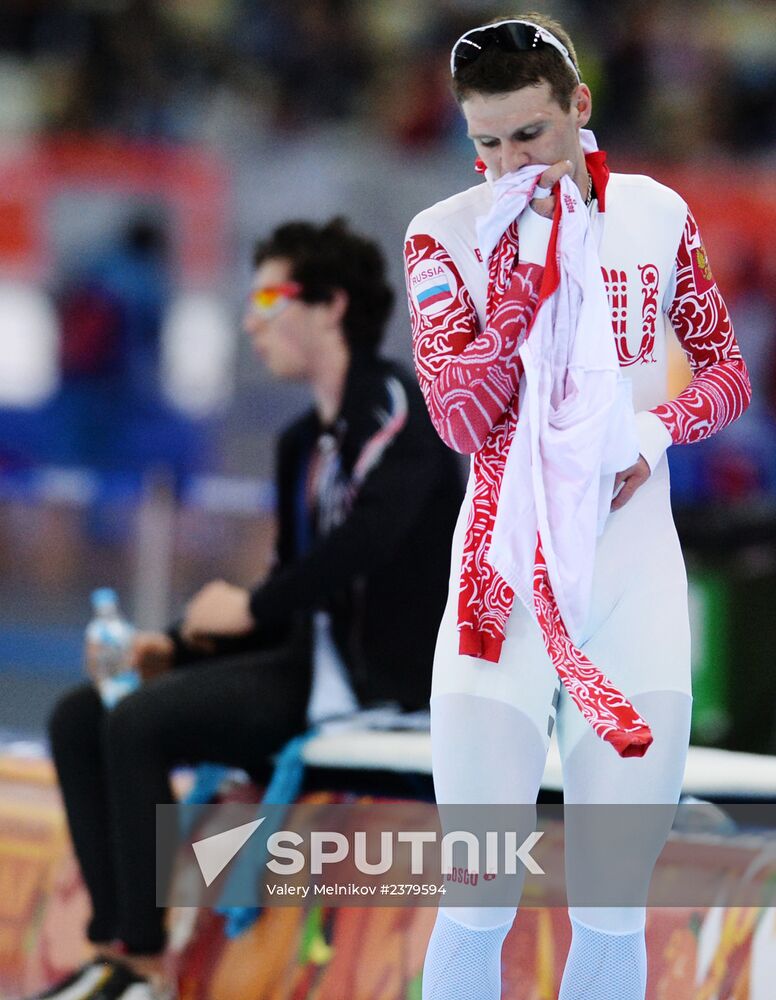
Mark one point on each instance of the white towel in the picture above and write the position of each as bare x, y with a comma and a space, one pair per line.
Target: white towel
576, 428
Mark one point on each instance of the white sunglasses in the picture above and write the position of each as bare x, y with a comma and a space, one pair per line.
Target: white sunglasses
509, 36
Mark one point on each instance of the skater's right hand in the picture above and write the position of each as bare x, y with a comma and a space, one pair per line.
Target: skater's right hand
548, 180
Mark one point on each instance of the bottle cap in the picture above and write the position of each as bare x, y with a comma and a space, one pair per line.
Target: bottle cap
104, 599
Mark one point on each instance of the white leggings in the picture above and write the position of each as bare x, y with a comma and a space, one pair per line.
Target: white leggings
486, 751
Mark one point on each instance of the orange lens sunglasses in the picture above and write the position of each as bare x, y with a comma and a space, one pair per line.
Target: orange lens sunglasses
271, 299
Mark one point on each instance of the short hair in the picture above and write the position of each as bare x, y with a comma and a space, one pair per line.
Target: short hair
331, 256
499, 72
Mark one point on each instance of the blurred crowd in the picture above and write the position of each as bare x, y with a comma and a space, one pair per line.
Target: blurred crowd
671, 79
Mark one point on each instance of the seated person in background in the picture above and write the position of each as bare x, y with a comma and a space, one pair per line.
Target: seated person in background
367, 500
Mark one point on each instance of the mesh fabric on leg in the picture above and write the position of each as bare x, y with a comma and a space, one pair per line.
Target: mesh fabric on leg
602, 965
463, 962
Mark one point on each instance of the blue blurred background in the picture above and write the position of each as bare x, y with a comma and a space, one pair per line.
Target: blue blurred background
144, 146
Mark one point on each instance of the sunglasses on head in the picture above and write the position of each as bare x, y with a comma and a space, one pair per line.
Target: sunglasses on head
271, 299
509, 36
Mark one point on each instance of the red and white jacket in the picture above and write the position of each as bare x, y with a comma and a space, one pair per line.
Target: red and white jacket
655, 270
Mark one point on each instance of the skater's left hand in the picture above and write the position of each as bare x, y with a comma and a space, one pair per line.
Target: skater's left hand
628, 481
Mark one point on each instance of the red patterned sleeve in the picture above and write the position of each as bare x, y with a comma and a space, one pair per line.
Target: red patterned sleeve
468, 376
719, 391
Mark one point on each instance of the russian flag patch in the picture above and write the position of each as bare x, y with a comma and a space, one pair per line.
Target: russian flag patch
430, 296
433, 286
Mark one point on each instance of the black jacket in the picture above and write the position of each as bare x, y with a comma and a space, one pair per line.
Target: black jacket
382, 573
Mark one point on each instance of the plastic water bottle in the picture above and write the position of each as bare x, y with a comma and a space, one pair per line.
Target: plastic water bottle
108, 647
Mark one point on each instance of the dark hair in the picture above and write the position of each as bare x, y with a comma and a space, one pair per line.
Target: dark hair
330, 256
499, 72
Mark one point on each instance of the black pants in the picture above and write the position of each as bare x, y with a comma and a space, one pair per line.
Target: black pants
113, 768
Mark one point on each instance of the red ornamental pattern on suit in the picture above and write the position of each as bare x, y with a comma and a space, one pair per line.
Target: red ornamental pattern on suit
650, 279
485, 599
719, 391
469, 376
474, 406
617, 291
603, 706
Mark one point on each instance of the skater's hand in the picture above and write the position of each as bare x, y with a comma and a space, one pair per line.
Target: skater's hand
628, 481
219, 608
550, 177
152, 654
